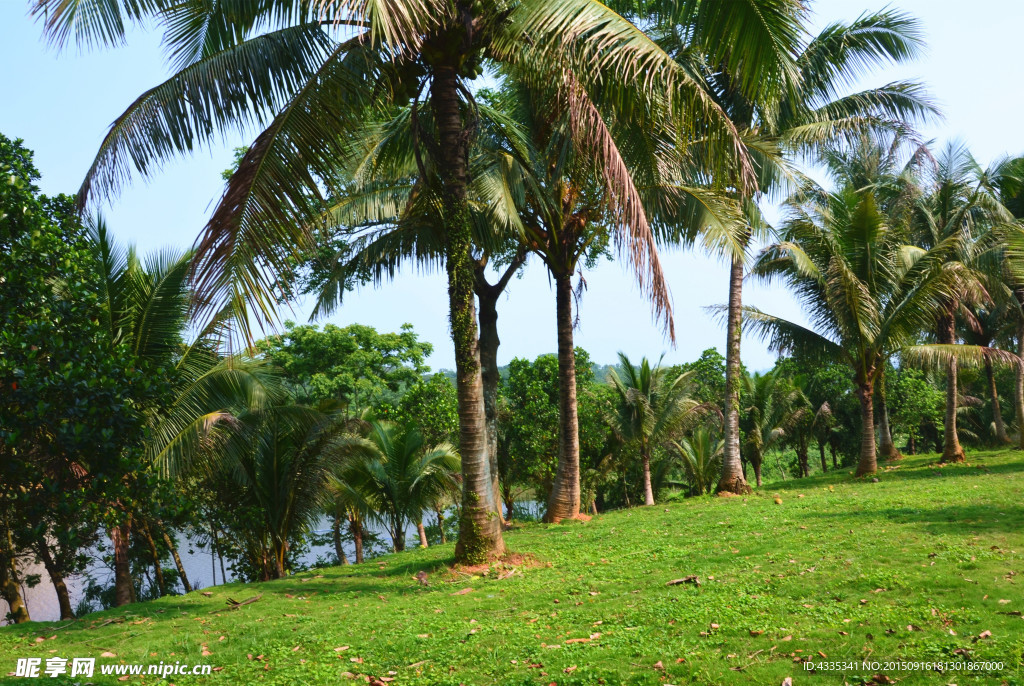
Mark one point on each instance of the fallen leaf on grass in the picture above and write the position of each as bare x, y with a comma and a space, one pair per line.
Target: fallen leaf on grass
340, 648
756, 632
660, 666
463, 591
108, 654
570, 670
357, 660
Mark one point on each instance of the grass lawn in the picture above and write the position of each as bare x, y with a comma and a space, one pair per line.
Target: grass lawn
914, 567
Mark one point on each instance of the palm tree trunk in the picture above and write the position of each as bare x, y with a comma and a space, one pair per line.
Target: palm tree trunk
645, 456
10, 589
951, 450
487, 295
832, 452
157, 570
440, 524
732, 479
564, 500
1018, 395
123, 586
57, 579
868, 459
339, 550
821, 453
887, 448
218, 556
423, 534
489, 376
997, 412
480, 527
756, 458
357, 536
803, 458
279, 561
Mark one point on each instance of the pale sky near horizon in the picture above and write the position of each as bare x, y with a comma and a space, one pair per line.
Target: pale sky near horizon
63, 103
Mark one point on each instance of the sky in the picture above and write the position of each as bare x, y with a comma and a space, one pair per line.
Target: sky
62, 103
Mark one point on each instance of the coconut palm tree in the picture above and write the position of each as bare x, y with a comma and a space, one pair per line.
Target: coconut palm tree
281, 460
310, 73
867, 293
396, 478
648, 408
146, 308
959, 198
772, 411
801, 114
700, 454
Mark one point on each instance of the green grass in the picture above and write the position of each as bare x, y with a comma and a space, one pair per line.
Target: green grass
842, 566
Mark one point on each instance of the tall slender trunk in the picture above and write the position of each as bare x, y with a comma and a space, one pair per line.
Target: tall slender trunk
832, 452
157, 569
480, 526
732, 478
339, 550
645, 456
756, 460
803, 457
217, 555
997, 412
169, 542
951, 449
1018, 394
423, 534
440, 523
912, 444
357, 536
57, 579
868, 459
279, 562
887, 448
124, 589
564, 500
489, 376
510, 506
487, 296
398, 536
821, 453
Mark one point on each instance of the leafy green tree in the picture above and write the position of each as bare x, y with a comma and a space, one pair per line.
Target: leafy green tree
916, 401
353, 365
70, 423
649, 406
398, 477
431, 405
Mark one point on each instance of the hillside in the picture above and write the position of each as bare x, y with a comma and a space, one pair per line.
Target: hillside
915, 567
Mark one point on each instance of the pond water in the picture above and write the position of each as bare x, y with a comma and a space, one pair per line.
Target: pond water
201, 566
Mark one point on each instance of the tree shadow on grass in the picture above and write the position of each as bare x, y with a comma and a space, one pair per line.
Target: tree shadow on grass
962, 520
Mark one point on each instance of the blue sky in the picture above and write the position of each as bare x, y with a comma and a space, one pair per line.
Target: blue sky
62, 104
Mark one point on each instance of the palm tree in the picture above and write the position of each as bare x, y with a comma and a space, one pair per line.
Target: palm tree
396, 478
868, 294
648, 408
801, 114
987, 326
281, 460
773, 410
701, 456
309, 74
146, 309
960, 199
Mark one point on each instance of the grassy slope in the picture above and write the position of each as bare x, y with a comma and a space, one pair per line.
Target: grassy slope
943, 544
